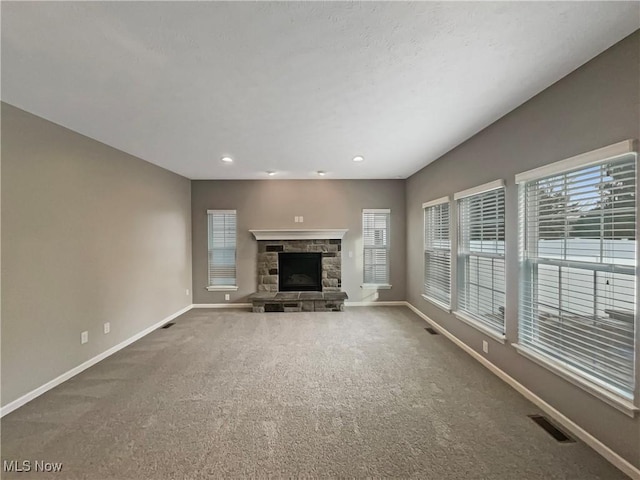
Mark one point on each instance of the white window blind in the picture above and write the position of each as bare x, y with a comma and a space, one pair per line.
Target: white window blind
481, 266
437, 253
578, 254
222, 248
375, 236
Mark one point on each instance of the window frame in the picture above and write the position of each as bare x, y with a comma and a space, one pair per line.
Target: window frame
627, 404
386, 247
473, 318
222, 288
438, 252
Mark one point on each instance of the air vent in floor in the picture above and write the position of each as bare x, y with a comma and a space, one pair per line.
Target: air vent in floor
431, 331
551, 429
170, 324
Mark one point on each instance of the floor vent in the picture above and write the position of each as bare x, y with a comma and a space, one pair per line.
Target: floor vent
551, 429
431, 331
170, 324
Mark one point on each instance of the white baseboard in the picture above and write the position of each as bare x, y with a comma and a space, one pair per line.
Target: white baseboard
566, 422
389, 303
221, 305
11, 406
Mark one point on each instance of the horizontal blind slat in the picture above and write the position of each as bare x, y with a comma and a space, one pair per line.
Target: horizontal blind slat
437, 253
222, 247
578, 259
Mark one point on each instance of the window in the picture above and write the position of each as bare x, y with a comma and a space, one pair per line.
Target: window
578, 255
481, 277
222, 249
437, 252
375, 237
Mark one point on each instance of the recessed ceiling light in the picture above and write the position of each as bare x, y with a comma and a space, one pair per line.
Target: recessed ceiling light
321, 173
271, 174
227, 159
358, 158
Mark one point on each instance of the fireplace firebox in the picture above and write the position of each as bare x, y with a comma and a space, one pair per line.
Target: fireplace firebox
299, 272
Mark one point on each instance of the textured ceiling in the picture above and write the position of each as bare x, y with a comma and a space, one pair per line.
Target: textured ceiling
293, 87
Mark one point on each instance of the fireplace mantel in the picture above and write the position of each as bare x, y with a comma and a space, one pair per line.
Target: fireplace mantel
300, 234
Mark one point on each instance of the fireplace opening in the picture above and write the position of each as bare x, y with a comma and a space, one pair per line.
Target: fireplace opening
299, 272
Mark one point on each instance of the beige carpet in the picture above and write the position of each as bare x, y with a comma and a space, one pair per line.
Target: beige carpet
364, 393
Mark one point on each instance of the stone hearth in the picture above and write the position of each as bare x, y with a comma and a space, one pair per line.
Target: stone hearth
268, 261
298, 301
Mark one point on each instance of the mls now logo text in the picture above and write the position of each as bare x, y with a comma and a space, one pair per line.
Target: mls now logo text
29, 466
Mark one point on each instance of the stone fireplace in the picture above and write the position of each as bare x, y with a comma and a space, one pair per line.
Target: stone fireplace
305, 264
271, 252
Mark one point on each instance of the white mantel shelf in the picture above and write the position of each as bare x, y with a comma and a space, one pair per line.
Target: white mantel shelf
299, 234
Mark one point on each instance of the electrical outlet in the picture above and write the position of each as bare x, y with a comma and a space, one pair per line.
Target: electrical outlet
375, 296
227, 296
301, 219
84, 337
485, 346
187, 292
107, 328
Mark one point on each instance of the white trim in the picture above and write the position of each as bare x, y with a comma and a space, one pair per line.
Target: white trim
222, 288
584, 159
222, 305
487, 187
437, 201
376, 286
472, 322
222, 212
299, 234
625, 406
26, 398
376, 210
437, 303
619, 462
388, 303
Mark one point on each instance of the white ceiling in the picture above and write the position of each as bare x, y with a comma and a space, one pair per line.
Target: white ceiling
293, 87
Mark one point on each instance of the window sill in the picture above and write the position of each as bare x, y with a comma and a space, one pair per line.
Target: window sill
222, 288
622, 404
376, 286
472, 322
437, 303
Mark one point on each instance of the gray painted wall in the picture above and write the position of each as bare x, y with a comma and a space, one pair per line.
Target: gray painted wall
267, 204
595, 106
89, 235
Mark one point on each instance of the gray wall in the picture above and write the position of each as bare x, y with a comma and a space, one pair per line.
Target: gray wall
595, 106
267, 204
89, 235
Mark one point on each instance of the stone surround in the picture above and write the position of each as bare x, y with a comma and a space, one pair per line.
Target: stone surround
268, 261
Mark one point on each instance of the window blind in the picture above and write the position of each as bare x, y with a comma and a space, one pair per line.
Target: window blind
437, 253
481, 264
375, 236
222, 247
578, 285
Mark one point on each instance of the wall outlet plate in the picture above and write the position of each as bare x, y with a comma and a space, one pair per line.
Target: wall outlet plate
187, 292
227, 296
84, 337
107, 327
485, 346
